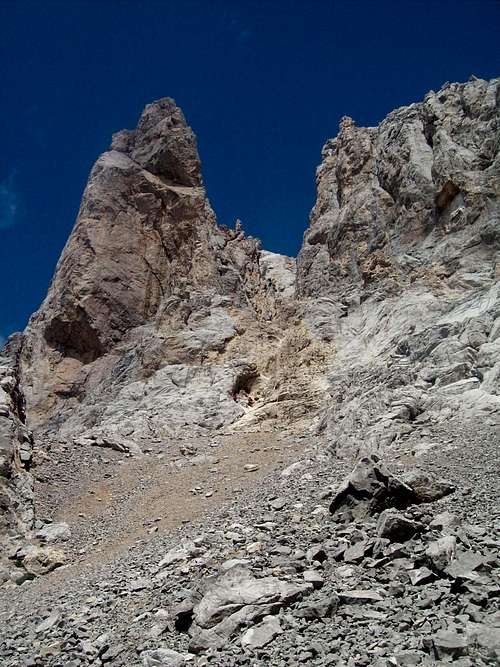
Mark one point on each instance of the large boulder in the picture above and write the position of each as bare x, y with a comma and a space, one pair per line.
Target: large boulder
235, 598
369, 489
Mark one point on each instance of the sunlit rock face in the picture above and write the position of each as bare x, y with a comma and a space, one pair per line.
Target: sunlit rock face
415, 196
160, 322
400, 268
134, 335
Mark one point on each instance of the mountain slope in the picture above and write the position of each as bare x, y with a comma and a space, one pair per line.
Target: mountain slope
195, 402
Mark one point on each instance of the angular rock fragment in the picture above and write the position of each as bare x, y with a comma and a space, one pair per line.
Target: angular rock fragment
41, 560
445, 521
448, 643
464, 566
485, 636
442, 552
235, 597
163, 657
263, 633
427, 489
48, 623
323, 607
356, 552
182, 552
313, 577
53, 532
396, 528
358, 596
420, 575
371, 488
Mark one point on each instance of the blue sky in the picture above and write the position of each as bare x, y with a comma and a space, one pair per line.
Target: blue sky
263, 84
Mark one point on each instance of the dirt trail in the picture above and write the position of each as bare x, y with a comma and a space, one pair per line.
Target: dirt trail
111, 501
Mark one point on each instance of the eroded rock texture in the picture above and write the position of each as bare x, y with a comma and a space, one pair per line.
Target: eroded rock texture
16, 445
134, 338
415, 197
400, 267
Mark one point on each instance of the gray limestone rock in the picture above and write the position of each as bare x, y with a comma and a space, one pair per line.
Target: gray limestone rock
237, 588
234, 598
53, 532
465, 565
370, 488
314, 609
163, 657
448, 643
442, 552
359, 596
262, 633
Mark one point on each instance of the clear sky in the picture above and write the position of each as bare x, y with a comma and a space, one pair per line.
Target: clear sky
263, 84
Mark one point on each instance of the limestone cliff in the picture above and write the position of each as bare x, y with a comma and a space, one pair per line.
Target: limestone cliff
400, 267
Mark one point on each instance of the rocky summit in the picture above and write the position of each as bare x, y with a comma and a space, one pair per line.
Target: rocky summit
211, 454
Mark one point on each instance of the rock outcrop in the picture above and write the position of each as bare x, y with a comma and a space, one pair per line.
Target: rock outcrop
17, 503
413, 199
400, 267
16, 449
134, 338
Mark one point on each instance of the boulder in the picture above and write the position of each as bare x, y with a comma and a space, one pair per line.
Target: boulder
234, 598
449, 644
371, 488
395, 527
263, 633
41, 560
53, 532
426, 488
163, 657
441, 552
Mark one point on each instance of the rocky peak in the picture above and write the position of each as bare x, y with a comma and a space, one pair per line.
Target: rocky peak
147, 279
163, 144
